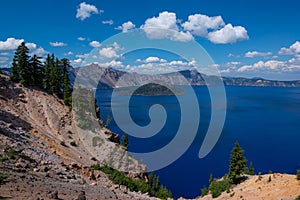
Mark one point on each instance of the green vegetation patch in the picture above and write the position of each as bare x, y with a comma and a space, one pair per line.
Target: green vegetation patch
73, 143
11, 154
217, 187
153, 187
204, 191
3, 178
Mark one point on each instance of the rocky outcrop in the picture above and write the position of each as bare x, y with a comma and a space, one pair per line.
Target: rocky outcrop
36, 130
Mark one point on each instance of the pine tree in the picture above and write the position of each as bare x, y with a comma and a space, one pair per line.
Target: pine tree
66, 83
153, 183
211, 178
25, 69
125, 140
251, 169
21, 70
1, 71
46, 72
237, 163
55, 76
15, 72
37, 69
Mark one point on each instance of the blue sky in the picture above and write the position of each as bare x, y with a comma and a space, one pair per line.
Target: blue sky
244, 38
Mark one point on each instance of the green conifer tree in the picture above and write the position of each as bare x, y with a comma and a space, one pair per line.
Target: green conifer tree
23, 64
211, 179
251, 169
21, 70
55, 77
15, 72
46, 72
237, 163
125, 140
66, 82
153, 183
37, 69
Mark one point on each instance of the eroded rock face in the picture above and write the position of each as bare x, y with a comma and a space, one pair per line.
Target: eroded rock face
37, 163
113, 137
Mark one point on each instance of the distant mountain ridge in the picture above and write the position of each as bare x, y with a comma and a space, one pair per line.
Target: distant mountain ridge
111, 78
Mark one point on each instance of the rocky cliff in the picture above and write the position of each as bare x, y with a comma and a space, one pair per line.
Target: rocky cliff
111, 78
37, 132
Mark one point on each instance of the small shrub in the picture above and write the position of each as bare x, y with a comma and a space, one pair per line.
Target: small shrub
163, 193
96, 167
228, 190
270, 172
298, 174
2, 158
298, 198
204, 191
3, 178
62, 143
11, 154
135, 185
250, 170
73, 143
210, 178
217, 187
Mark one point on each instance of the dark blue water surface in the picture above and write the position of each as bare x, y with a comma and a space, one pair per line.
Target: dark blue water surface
265, 121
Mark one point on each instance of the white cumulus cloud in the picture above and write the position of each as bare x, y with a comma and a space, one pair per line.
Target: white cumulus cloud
58, 44
108, 52
95, 44
165, 26
252, 54
293, 49
109, 22
265, 66
10, 44
82, 55
199, 24
69, 53
152, 59
39, 51
81, 38
86, 10
112, 63
125, 27
228, 34
31, 45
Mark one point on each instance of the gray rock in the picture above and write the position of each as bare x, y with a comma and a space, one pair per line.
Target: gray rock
81, 196
53, 195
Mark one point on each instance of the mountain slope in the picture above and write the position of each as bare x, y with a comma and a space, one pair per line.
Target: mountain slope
33, 125
111, 78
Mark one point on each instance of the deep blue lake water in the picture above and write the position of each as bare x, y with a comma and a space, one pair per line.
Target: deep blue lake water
265, 121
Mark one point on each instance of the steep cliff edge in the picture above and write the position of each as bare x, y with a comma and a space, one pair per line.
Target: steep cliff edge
41, 151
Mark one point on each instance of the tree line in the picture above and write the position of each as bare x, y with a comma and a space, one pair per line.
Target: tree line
50, 75
236, 174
